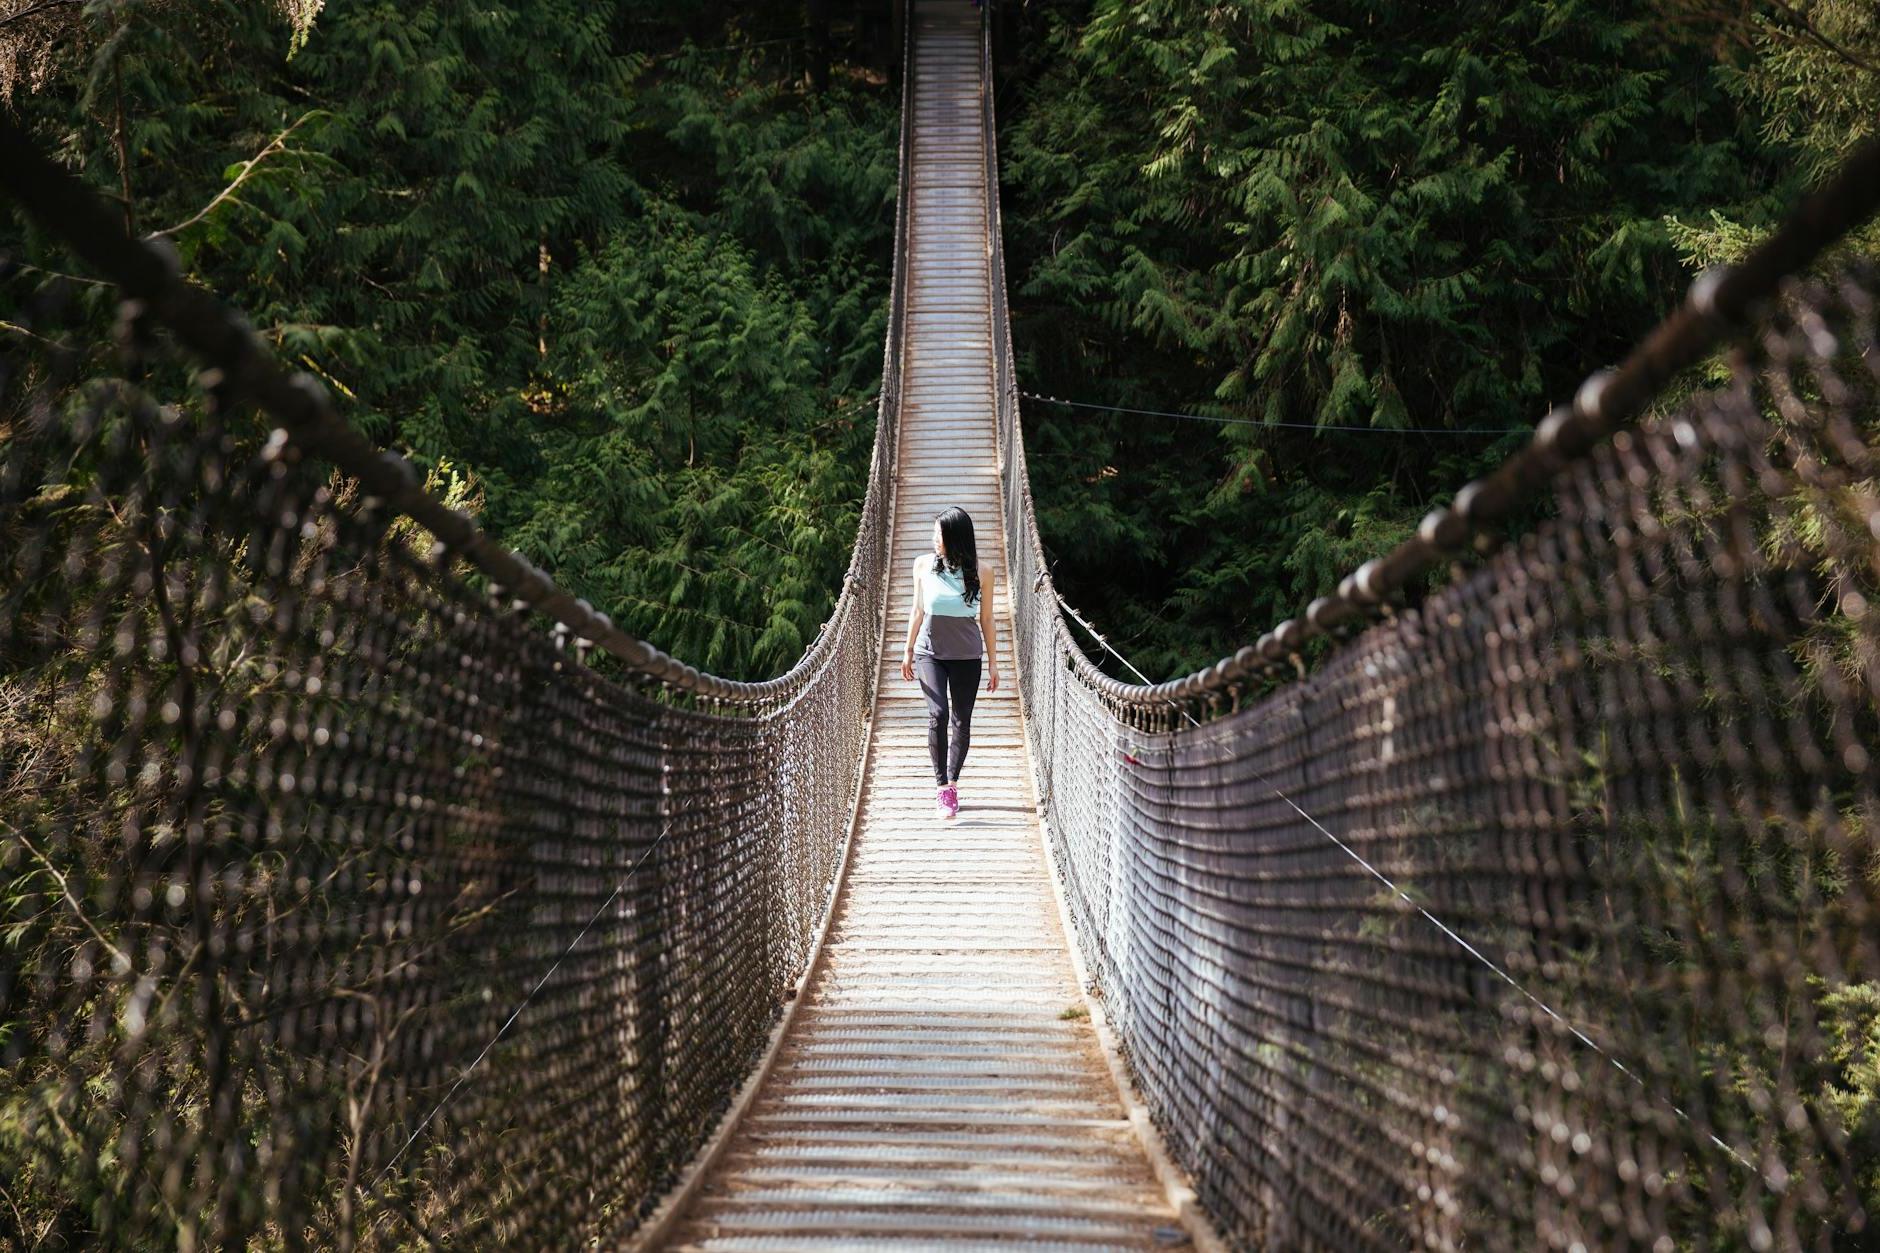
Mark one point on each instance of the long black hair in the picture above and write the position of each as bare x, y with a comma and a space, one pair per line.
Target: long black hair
962, 555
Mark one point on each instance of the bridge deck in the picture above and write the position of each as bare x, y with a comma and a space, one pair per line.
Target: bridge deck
939, 1083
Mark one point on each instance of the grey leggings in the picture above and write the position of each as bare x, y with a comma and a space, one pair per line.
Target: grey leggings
950, 688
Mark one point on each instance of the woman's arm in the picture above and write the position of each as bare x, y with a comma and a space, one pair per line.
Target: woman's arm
916, 615
985, 628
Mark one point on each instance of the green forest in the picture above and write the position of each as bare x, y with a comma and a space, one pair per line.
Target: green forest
1283, 274
616, 275
1357, 231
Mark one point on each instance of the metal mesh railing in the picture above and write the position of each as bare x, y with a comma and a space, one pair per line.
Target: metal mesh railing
1545, 914
346, 903
347, 907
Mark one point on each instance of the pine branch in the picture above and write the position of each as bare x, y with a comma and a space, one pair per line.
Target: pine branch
1808, 29
274, 147
65, 891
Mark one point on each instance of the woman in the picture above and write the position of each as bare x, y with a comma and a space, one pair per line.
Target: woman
948, 633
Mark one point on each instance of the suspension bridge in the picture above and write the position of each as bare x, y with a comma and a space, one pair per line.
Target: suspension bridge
410, 902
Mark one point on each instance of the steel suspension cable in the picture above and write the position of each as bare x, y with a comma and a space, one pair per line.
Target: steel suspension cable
1284, 426
521, 1005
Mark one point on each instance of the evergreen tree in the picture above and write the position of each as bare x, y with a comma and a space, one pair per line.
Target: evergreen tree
623, 251
1811, 74
1334, 214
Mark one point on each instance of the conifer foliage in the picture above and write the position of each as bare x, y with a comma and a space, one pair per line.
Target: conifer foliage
1338, 214
619, 264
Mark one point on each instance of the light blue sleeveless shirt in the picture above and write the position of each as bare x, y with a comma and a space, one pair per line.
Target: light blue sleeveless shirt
951, 629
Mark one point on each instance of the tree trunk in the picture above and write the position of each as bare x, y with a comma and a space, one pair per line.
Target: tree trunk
819, 44
897, 39
123, 151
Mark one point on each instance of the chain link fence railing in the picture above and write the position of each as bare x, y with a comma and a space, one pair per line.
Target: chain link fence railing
351, 899
1545, 914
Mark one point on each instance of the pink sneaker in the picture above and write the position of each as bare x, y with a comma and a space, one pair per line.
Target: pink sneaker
949, 801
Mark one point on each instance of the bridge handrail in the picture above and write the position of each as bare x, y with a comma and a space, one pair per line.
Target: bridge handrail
344, 856
1527, 917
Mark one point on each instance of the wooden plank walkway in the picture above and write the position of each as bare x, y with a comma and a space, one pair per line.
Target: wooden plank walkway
939, 1086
